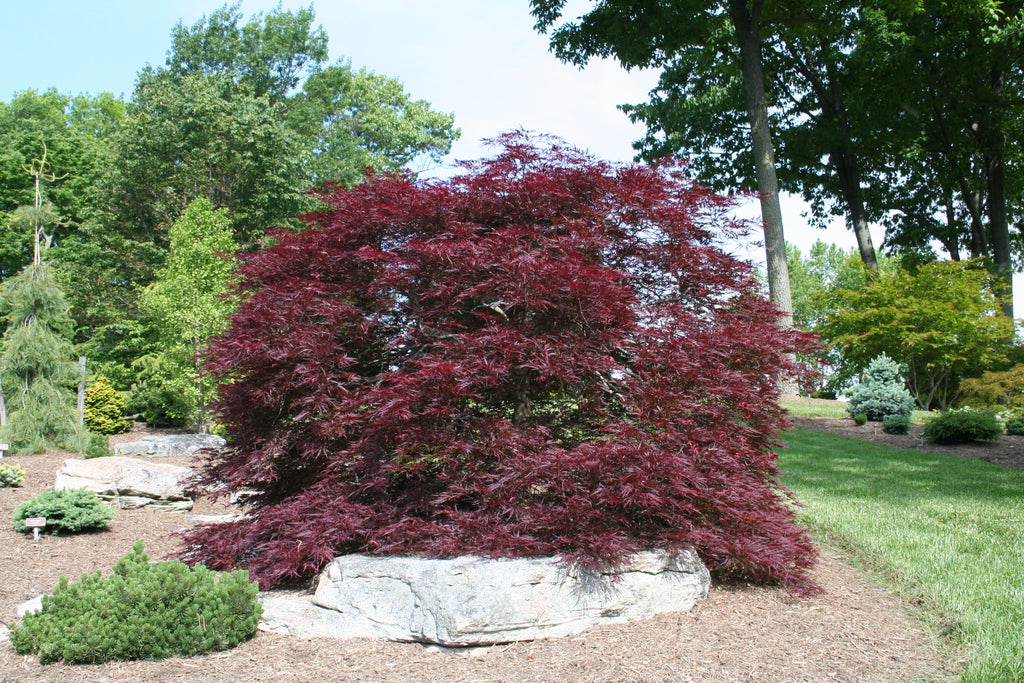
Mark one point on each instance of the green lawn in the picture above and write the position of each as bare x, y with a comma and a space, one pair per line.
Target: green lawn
834, 409
945, 532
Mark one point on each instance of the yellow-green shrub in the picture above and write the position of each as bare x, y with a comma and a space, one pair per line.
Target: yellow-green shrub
104, 408
994, 389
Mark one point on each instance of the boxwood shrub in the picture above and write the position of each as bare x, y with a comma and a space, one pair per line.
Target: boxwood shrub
896, 424
963, 425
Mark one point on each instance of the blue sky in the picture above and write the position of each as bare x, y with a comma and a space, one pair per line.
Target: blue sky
479, 59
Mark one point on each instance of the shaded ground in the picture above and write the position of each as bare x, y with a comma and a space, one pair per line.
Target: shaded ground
854, 632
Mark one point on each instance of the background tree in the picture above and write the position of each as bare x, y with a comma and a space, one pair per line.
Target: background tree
544, 355
954, 172
893, 112
641, 34
826, 269
943, 322
189, 302
349, 120
76, 133
247, 113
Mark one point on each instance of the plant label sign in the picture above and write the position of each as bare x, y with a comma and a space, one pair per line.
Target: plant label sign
35, 524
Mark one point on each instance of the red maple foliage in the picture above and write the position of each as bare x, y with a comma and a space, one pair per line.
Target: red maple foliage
543, 355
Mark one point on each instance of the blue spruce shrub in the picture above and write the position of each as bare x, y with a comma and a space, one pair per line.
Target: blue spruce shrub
881, 393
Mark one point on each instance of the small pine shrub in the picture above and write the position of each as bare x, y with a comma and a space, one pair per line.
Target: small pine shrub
98, 446
882, 392
963, 425
1015, 425
860, 419
104, 408
141, 611
11, 475
66, 512
896, 424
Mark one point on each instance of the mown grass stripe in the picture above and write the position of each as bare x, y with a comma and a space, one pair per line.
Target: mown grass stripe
945, 532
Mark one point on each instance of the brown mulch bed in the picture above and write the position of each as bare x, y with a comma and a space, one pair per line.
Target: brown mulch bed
853, 632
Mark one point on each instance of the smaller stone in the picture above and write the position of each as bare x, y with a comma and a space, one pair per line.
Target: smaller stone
5, 633
214, 519
29, 607
169, 445
128, 482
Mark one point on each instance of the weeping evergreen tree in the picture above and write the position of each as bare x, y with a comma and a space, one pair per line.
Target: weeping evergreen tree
36, 366
37, 370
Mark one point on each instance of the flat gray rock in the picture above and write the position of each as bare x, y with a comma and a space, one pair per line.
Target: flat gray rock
169, 445
128, 482
471, 601
29, 607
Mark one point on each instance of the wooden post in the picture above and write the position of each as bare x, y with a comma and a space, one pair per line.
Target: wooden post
81, 390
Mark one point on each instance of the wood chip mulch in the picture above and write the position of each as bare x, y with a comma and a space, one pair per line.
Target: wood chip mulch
853, 632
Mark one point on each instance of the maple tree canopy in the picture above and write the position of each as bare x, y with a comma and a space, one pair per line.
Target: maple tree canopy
543, 355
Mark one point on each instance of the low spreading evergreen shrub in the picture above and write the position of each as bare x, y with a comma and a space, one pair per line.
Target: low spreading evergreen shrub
104, 408
963, 425
66, 512
142, 611
881, 392
11, 475
1015, 425
860, 419
896, 424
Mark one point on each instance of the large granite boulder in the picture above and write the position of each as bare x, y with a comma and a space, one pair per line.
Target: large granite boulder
470, 601
169, 445
128, 482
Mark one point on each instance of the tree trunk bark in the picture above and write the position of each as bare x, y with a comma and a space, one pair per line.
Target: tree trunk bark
849, 179
745, 18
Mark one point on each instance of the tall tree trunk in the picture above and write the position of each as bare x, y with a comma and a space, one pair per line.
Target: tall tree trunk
745, 18
849, 179
995, 177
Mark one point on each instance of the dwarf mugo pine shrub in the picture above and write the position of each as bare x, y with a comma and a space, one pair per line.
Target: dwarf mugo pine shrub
141, 611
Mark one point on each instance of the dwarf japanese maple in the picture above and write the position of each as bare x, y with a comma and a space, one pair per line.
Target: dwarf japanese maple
543, 355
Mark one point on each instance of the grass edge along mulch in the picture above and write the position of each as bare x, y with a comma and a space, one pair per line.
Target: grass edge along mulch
943, 532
